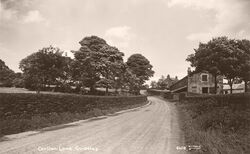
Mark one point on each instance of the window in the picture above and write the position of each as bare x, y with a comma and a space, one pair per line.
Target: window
204, 77
205, 90
194, 89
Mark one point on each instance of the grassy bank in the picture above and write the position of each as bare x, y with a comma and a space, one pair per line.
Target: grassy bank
24, 112
218, 127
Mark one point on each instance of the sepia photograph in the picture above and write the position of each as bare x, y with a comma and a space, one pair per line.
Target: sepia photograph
124, 76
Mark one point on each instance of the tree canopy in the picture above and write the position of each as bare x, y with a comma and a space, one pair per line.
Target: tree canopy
6, 74
97, 63
43, 68
140, 67
222, 56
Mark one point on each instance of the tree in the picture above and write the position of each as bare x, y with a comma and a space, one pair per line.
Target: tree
18, 81
86, 63
97, 63
43, 68
141, 68
131, 81
153, 84
207, 57
111, 60
6, 74
244, 58
223, 56
229, 64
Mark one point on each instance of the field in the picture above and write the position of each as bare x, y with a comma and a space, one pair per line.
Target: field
23, 90
14, 90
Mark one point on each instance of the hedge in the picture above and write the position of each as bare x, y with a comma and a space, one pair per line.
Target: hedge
240, 100
26, 105
163, 93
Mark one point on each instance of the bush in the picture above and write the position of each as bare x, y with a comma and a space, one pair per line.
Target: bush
22, 112
27, 105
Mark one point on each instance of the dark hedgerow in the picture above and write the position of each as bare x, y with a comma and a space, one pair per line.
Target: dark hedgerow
25, 111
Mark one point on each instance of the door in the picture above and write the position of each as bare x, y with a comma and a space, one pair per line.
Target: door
204, 90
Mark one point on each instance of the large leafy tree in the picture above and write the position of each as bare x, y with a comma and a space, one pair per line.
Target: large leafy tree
111, 60
244, 58
130, 81
97, 63
6, 74
86, 66
207, 57
229, 63
141, 68
221, 56
43, 68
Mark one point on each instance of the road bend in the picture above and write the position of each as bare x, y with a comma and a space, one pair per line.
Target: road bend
152, 129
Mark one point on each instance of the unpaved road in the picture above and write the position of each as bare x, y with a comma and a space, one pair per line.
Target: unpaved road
151, 129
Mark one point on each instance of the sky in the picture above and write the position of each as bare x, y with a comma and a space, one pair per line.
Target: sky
164, 31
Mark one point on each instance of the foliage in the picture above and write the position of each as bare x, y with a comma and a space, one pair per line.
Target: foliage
139, 70
132, 82
112, 63
207, 57
6, 75
244, 57
95, 64
222, 56
153, 84
18, 81
43, 68
25, 105
95, 61
219, 123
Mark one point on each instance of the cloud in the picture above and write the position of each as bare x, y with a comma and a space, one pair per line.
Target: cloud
119, 36
33, 16
232, 17
6, 14
20, 12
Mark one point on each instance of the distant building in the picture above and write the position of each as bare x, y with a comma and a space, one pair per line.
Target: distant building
198, 83
170, 81
237, 88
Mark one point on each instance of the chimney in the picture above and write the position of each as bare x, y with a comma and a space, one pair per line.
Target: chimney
189, 71
168, 76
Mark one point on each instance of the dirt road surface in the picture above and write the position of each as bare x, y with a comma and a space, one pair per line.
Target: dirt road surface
151, 129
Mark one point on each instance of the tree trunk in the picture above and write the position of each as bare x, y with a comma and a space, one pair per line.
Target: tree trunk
92, 89
230, 82
215, 83
245, 86
107, 90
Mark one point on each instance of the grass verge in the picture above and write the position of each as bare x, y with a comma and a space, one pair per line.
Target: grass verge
218, 130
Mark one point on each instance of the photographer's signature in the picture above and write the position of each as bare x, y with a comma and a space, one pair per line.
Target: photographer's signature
189, 147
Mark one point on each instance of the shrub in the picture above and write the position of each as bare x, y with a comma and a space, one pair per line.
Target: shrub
27, 105
22, 112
